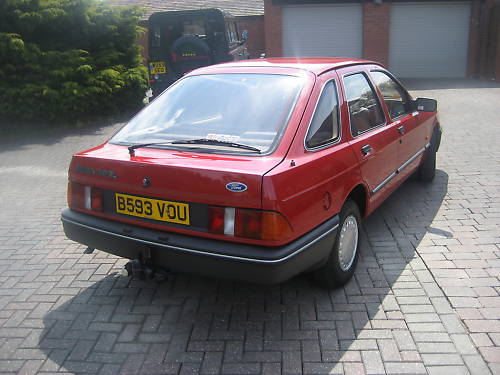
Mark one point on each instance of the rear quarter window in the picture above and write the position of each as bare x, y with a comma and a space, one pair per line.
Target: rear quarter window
324, 127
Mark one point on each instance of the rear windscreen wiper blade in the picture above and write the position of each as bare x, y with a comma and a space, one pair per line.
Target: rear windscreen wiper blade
205, 141
200, 141
131, 149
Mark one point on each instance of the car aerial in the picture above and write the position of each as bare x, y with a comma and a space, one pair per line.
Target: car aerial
255, 170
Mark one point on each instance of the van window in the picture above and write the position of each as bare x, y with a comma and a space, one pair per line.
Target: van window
232, 36
156, 37
194, 27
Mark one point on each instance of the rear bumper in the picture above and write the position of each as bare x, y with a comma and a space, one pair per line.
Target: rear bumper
221, 259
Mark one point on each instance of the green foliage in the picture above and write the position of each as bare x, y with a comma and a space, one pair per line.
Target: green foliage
65, 60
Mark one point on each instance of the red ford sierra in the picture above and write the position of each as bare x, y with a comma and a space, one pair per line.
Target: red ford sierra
256, 170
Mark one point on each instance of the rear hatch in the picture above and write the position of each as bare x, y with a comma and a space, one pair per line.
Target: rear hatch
169, 180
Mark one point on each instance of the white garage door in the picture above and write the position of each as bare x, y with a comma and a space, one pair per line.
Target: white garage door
429, 40
333, 30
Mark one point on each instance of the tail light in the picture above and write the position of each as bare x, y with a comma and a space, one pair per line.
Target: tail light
83, 196
253, 224
216, 220
96, 199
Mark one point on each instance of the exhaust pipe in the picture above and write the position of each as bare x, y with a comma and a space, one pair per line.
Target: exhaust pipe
136, 269
88, 250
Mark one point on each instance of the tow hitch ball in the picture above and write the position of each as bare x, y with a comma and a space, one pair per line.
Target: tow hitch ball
136, 269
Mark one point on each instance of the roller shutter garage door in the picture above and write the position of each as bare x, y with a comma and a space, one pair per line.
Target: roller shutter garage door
330, 30
429, 40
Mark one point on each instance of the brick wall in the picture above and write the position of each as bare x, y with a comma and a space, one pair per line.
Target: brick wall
142, 41
497, 64
376, 23
473, 55
272, 22
490, 41
376, 29
494, 35
256, 39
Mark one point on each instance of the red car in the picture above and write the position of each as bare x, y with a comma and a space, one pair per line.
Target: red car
255, 170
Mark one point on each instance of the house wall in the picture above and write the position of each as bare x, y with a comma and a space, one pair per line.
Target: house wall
272, 23
474, 39
255, 27
497, 64
376, 23
376, 26
490, 58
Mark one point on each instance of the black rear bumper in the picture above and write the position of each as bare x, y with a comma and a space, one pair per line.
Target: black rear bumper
221, 259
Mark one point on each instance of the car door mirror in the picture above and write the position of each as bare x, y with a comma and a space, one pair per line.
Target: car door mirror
244, 35
426, 105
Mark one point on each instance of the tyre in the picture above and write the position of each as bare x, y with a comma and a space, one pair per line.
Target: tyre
427, 169
189, 52
341, 264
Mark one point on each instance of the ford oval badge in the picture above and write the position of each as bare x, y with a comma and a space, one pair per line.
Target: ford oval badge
236, 187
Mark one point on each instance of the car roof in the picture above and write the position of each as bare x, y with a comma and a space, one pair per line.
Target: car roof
316, 65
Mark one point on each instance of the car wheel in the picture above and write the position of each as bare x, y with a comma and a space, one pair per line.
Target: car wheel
427, 169
343, 258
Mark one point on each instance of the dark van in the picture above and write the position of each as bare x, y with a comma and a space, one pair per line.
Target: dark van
181, 41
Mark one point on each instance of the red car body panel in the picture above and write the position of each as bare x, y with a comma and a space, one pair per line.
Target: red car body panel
177, 175
307, 187
314, 188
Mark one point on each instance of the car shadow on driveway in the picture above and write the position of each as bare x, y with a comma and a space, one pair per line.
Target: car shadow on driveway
194, 324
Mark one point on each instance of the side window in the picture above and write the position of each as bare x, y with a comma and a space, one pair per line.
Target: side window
235, 31
231, 32
364, 109
324, 126
396, 99
155, 37
194, 27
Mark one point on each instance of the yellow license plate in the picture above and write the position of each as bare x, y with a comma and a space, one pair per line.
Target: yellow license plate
157, 67
156, 209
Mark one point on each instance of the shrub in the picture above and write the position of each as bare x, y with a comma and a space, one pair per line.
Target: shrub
66, 60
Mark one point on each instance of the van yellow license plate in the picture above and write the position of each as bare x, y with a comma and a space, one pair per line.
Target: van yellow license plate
157, 67
155, 209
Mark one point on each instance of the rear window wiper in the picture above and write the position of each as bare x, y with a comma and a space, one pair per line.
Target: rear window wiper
200, 141
131, 149
205, 141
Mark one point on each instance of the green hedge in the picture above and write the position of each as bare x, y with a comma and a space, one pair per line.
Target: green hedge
67, 60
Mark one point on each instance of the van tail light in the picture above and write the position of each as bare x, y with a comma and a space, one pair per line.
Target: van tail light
253, 224
83, 196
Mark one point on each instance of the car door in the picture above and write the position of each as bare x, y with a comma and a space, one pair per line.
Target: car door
400, 109
374, 142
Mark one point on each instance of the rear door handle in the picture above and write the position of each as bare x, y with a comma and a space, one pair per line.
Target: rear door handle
366, 149
401, 130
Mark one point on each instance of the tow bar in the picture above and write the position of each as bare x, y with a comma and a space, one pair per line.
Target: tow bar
138, 270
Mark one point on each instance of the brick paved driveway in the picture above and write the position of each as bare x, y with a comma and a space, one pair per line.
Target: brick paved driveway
425, 297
